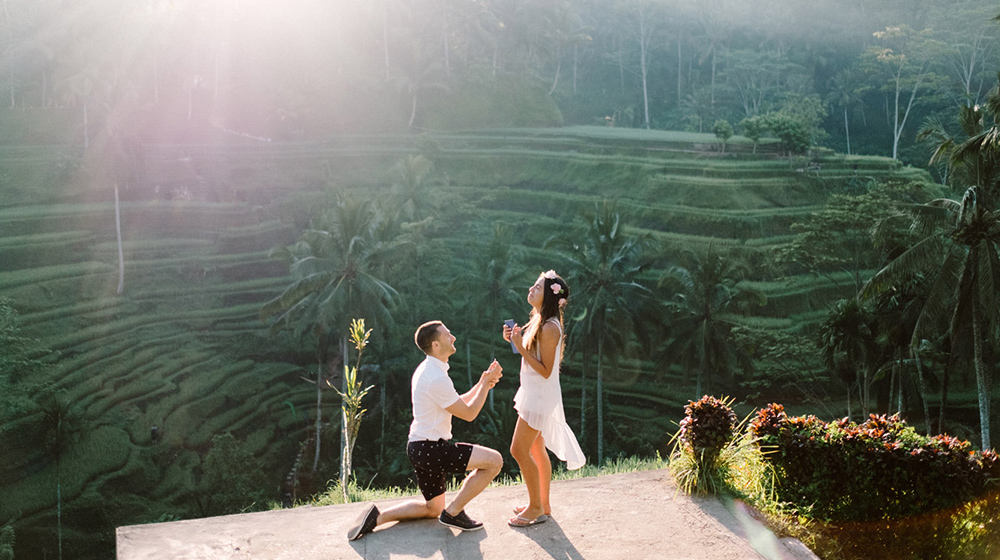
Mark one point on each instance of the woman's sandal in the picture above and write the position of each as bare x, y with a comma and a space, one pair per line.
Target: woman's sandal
520, 509
518, 521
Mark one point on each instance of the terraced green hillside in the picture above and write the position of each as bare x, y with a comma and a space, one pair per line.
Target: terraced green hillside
183, 349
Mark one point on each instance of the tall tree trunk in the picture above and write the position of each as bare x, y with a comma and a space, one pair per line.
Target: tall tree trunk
621, 67
642, 62
555, 82
381, 402
468, 359
59, 498
496, 54
865, 393
121, 253
711, 90
899, 377
321, 355
343, 389
447, 55
922, 384
680, 67
600, 400
575, 63
983, 380
583, 394
847, 131
898, 125
345, 457
944, 396
10, 46
413, 108
490, 394
86, 125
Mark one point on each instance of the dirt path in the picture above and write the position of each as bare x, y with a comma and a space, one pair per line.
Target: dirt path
632, 516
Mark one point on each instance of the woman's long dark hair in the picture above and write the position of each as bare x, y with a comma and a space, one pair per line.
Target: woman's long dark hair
552, 306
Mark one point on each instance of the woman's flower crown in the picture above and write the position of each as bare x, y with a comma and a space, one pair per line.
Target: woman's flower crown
556, 287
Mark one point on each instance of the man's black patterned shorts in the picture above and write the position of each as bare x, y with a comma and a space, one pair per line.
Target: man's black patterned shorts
434, 460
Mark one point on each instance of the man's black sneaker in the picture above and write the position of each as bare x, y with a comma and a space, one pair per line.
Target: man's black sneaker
364, 524
460, 521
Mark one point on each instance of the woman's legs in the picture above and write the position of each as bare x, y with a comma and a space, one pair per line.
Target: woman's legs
541, 457
544, 464
520, 448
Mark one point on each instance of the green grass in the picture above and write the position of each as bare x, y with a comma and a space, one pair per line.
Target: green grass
33, 276
356, 493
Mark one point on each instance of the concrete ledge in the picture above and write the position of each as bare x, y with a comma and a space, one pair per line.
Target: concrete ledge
631, 516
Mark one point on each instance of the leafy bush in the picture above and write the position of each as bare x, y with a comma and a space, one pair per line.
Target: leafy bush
707, 427
707, 430
233, 481
880, 469
723, 131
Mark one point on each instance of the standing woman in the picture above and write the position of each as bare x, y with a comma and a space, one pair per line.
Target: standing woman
541, 422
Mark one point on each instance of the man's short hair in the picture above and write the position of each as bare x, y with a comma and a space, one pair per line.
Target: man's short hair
426, 334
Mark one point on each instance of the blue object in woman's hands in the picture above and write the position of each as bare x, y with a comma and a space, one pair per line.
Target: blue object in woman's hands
510, 323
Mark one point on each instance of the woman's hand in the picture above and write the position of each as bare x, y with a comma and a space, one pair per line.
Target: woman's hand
515, 337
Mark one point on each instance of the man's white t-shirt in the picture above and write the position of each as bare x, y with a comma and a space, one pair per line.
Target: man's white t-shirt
432, 391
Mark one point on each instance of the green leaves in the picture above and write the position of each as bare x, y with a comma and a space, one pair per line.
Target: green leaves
351, 401
353, 392
879, 469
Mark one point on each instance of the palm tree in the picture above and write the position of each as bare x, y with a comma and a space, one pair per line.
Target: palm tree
333, 281
963, 262
706, 300
490, 287
971, 120
565, 32
712, 41
412, 201
960, 252
604, 268
60, 426
844, 92
127, 172
417, 77
847, 341
896, 313
76, 78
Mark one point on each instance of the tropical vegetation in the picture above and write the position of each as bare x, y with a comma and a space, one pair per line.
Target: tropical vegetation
196, 200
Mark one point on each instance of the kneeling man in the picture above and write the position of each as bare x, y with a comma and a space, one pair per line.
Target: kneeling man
430, 448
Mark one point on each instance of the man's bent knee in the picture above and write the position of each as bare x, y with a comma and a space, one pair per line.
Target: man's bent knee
495, 463
487, 459
434, 506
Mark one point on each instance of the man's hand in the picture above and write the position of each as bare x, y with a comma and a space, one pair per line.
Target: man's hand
492, 375
468, 406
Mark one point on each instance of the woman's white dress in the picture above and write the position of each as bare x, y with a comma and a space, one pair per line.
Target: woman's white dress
539, 402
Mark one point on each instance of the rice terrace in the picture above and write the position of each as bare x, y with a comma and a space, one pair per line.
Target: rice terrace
784, 261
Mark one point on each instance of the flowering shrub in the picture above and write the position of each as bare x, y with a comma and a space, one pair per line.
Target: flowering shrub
707, 427
879, 469
707, 430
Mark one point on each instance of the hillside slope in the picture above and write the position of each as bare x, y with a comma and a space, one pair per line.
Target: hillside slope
183, 349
